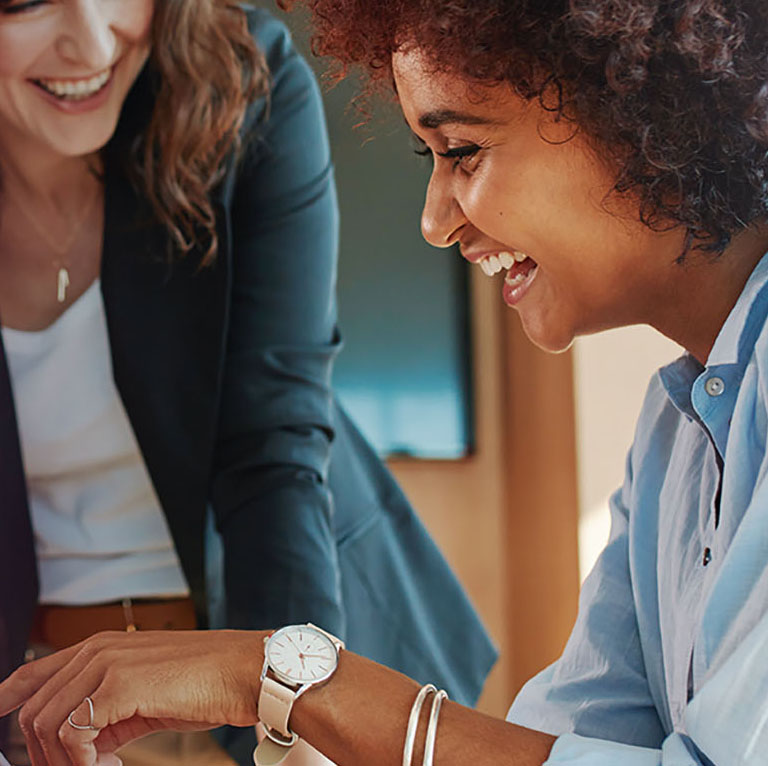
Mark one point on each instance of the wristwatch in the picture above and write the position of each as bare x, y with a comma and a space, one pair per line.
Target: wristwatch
296, 658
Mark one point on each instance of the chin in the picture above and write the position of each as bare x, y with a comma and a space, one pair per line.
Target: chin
548, 336
83, 144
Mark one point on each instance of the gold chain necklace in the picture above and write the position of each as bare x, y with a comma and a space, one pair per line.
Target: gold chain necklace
60, 248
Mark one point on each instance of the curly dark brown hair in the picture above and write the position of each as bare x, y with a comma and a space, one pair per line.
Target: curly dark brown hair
675, 92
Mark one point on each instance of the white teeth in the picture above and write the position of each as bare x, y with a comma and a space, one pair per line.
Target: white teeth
507, 260
493, 264
515, 280
77, 89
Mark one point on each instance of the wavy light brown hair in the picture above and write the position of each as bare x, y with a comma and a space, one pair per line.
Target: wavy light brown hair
182, 121
206, 70
674, 92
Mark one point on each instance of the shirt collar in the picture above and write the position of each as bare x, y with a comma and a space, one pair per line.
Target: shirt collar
732, 346
740, 329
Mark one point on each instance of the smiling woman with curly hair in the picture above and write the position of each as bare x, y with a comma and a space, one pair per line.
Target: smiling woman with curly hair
610, 158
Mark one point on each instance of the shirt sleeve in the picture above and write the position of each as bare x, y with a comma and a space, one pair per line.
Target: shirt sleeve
727, 721
599, 687
270, 494
598, 691
597, 697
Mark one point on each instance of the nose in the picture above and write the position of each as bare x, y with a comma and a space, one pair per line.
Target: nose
88, 39
442, 217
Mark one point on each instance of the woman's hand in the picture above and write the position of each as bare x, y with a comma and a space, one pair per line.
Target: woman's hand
139, 683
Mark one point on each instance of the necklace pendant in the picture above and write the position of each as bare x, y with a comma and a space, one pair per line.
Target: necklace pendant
62, 284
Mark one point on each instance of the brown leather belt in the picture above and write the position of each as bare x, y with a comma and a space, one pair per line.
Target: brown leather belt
58, 627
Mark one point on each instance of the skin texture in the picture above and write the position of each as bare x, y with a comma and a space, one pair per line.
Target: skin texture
538, 186
145, 682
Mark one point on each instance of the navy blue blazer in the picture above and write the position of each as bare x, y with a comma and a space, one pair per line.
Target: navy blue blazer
225, 373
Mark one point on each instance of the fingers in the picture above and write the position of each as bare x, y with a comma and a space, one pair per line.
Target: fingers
89, 746
138, 684
79, 745
47, 711
60, 692
24, 682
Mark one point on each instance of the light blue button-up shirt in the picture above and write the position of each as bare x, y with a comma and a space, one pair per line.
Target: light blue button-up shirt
668, 661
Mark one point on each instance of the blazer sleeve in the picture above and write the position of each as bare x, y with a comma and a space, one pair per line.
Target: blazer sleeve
270, 495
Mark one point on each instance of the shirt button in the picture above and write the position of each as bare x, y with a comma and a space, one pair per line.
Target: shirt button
707, 557
714, 386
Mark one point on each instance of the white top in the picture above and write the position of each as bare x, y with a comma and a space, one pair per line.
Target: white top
99, 530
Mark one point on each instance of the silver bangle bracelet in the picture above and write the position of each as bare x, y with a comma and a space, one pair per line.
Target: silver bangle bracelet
434, 714
413, 722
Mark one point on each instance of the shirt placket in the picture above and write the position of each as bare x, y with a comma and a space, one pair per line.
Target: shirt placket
713, 395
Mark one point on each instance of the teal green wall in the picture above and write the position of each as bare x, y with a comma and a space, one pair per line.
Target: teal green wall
402, 304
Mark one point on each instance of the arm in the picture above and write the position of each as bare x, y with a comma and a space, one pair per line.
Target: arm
727, 721
269, 492
144, 682
599, 694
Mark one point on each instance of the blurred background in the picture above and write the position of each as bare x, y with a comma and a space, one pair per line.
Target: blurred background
508, 454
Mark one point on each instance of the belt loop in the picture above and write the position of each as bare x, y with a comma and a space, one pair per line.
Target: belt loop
130, 623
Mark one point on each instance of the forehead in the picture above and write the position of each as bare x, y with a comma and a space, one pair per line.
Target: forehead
430, 98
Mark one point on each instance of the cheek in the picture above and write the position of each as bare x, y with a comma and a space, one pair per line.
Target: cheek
18, 53
134, 19
491, 202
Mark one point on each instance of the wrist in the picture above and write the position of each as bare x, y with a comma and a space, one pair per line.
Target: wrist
297, 660
242, 672
255, 664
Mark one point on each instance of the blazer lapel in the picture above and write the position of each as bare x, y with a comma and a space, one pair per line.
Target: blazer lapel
167, 324
18, 568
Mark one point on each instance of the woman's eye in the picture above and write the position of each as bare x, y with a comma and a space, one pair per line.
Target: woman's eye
462, 156
21, 7
420, 147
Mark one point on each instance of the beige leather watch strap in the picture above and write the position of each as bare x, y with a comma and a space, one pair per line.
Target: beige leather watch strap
275, 705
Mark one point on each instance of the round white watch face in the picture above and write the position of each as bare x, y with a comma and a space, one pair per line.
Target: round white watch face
300, 654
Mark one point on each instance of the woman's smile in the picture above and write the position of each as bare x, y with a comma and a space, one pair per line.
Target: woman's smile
526, 195
77, 96
65, 71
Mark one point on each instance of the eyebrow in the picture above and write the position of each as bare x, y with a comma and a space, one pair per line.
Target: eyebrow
432, 120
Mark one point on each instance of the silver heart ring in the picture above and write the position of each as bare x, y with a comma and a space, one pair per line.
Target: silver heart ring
90, 726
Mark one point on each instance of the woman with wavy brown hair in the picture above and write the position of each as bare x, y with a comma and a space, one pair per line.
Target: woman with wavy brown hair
168, 233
